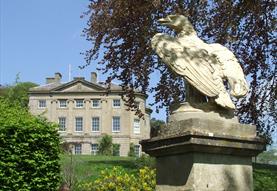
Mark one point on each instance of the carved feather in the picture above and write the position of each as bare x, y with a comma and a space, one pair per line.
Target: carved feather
204, 66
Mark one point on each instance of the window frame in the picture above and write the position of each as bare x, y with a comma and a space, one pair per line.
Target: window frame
39, 103
60, 106
116, 130
94, 152
95, 117
79, 150
116, 106
136, 126
76, 124
76, 103
137, 103
59, 119
137, 150
99, 103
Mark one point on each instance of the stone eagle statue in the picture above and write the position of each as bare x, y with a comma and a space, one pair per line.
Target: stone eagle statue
204, 66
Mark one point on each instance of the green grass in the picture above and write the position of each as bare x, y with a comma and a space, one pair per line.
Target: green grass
265, 177
88, 168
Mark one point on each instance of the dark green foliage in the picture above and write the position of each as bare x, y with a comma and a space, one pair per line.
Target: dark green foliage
106, 145
3, 90
29, 150
116, 149
156, 125
18, 93
131, 152
265, 177
145, 161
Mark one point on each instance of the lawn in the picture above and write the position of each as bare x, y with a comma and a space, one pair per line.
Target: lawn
265, 177
88, 168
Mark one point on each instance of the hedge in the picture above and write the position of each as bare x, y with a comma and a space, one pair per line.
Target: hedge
29, 150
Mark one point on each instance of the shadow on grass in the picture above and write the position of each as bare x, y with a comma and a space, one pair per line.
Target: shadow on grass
127, 164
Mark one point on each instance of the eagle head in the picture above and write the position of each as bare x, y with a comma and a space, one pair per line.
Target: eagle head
179, 23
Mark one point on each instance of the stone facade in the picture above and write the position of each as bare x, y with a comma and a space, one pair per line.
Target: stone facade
86, 112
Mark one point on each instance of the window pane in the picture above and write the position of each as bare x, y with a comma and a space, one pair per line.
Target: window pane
96, 103
62, 124
136, 126
79, 103
95, 124
42, 103
137, 150
62, 103
79, 124
137, 104
116, 103
116, 124
78, 149
94, 149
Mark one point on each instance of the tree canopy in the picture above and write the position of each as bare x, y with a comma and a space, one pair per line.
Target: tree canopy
18, 93
123, 30
156, 125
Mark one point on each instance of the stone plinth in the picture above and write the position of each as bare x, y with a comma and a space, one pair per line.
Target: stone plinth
204, 154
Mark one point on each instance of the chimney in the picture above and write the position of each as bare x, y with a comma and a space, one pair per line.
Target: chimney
93, 77
78, 78
50, 80
57, 78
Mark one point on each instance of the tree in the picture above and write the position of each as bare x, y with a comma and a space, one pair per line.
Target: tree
123, 29
155, 125
106, 145
29, 150
18, 93
3, 90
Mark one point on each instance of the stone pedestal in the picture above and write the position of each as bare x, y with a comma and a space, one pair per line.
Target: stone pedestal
210, 153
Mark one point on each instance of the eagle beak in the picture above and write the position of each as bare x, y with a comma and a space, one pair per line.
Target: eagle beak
164, 21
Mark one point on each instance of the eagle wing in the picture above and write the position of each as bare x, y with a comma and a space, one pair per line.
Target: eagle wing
231, 69
188, 60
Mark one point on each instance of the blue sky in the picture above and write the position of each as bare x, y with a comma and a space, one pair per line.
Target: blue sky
39, 38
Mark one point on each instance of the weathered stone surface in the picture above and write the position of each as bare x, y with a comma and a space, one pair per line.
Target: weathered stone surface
204, 66
204, 154
211, 127
204, 172
196, 142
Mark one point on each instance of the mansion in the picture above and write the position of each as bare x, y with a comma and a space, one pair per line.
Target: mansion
85, 112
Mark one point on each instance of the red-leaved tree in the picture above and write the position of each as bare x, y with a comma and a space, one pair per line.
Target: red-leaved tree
122, 29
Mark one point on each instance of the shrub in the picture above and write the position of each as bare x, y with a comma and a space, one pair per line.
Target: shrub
145, 161
116, 149
118, 179
265, 177
131, 152
106, 145
29, 150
